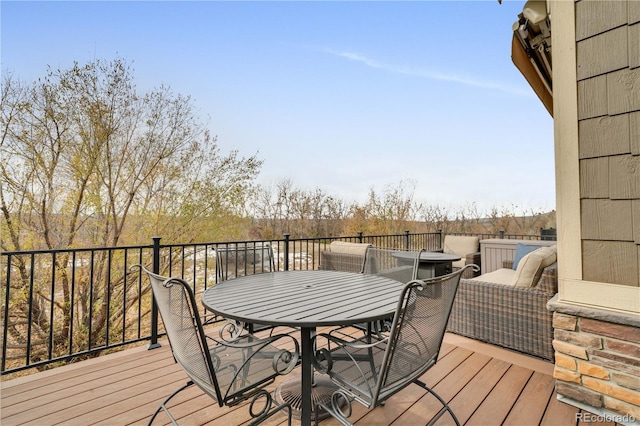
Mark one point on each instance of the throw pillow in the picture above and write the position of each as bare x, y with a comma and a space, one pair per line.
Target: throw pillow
530, 266
521, 251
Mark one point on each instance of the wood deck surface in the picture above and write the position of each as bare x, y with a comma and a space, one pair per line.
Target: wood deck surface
484, 385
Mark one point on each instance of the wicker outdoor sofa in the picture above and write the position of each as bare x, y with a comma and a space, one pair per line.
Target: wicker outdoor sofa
508, 316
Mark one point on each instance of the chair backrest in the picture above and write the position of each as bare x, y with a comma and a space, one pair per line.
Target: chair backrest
417, 332
461, 245
391, 263
177, 306
240, 259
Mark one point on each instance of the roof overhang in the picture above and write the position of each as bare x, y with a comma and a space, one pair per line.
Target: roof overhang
531, 49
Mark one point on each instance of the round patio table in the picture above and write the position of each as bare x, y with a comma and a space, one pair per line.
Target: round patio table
306, 300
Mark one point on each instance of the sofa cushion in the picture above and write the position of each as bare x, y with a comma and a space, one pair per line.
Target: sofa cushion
521, 251
460, 245
530, 266
499, 276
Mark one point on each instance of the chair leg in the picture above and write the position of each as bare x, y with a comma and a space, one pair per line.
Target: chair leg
335, 409
265, 416
163, 406
445, 406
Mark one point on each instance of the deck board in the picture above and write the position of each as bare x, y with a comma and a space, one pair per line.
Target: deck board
559, 414
468, 399
496, 406
533, 401
428, 406
485, 385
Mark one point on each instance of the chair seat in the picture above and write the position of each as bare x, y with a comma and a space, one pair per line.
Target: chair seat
359, 378
239, 369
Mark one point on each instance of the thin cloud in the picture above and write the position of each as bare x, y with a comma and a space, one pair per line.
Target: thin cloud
430, 75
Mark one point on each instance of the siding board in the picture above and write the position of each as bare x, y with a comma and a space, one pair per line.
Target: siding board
614, 262
594, 178
597, 16
635, 209
623, 91
607, 220
634, 132
596, 56
624, 177
602, 136
634, 12
592, 97
634, 46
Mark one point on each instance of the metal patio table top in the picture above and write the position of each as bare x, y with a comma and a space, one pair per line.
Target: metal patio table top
305, 299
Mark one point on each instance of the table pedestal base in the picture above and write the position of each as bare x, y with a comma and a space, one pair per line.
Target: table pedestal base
289, 392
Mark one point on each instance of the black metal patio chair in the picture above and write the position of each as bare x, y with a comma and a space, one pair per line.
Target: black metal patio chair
395, 264
399, 265
229, 372
372, 369
240, 259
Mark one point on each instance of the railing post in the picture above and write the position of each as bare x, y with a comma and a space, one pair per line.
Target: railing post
5, 321
406, 240
286, 252
501, 234
154, 308
439, 239
360, 236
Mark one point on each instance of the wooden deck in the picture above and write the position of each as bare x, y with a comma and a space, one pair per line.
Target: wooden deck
485, 385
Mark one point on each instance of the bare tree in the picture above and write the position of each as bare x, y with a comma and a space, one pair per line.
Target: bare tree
87, 161
392, 211
436, 218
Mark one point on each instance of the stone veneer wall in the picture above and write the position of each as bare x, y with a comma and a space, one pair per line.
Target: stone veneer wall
597, 359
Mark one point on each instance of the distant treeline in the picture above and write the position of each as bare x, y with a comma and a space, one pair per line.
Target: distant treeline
88, 161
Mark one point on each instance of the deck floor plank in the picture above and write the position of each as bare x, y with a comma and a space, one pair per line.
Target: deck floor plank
473, 394
497, 405
428, 406
484, 385
49, 391
559, 413
130, 359
533, 401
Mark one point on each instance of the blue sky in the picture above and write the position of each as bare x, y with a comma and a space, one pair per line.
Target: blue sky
343, 96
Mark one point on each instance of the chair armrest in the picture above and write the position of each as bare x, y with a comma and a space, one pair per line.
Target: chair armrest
548, 282
472, 259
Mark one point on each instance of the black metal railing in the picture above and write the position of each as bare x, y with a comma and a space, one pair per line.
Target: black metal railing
62, 305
